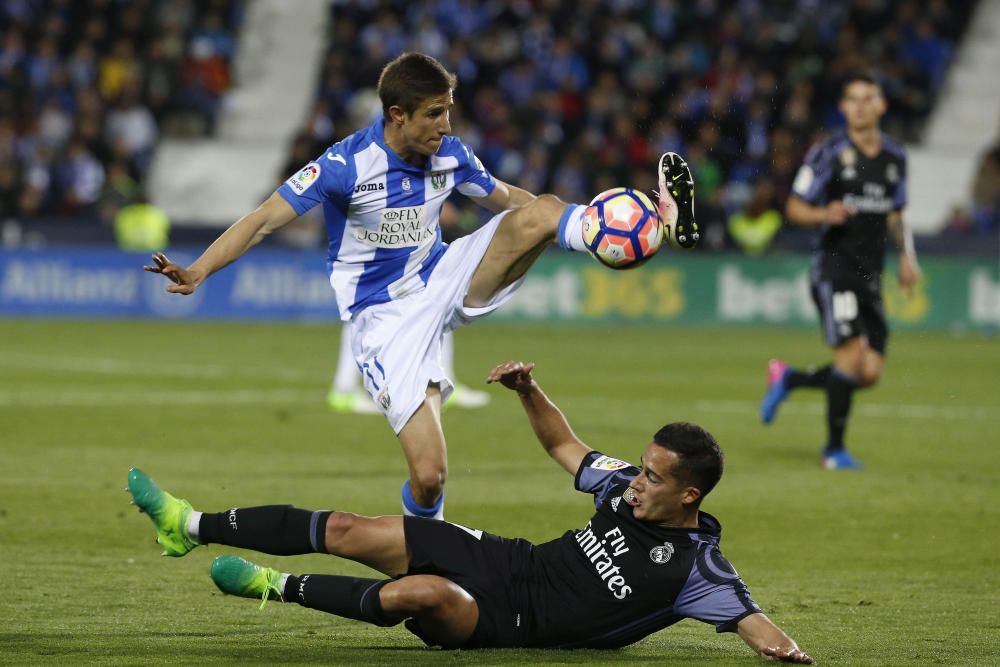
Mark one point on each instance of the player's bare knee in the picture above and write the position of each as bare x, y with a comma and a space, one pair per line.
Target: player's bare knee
428, 481
538, 221
338, 525
418, 595
869, 378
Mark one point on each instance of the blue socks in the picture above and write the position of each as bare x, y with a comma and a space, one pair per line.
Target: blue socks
411, 508
571, 228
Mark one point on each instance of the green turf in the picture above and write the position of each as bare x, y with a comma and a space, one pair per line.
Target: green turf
896, 564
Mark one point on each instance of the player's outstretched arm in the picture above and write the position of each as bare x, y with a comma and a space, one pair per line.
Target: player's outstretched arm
548, 422
504, 196
769, 641
800, 212
244, 234
909, 270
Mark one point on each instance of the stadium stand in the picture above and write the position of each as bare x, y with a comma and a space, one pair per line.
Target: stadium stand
570, 97
87, 87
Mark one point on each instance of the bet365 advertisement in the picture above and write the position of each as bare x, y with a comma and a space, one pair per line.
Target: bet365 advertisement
955, 293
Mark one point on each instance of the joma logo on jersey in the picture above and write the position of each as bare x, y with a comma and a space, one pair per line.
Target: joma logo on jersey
369, 187
438, 179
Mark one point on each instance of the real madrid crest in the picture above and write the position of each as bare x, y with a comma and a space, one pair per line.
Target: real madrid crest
892, 173
848, 160
661, 554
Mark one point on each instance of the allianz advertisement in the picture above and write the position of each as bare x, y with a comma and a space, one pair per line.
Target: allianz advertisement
561, 287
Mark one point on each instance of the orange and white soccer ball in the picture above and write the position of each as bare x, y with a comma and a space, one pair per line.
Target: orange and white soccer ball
621, 228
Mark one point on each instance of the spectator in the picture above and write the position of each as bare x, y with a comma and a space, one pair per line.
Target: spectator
754, 226
986, 191
79, 177
94, 94
142, 227
132, 124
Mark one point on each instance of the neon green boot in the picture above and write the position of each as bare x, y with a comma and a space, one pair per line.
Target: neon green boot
168, 514
238, 576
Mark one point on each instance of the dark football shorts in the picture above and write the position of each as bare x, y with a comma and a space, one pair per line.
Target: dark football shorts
851, 308
485, 566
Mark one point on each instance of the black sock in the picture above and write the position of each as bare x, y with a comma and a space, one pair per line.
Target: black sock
281, 530
350, 597
815, 378
839, 390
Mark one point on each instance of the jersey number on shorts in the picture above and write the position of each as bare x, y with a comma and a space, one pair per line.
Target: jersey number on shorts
845, 306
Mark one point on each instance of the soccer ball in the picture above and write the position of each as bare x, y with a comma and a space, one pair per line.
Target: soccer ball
621, 228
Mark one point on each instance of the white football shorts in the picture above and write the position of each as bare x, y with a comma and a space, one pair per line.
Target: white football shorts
397, 344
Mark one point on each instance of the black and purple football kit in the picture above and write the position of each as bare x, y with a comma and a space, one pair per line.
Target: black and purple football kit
608, 584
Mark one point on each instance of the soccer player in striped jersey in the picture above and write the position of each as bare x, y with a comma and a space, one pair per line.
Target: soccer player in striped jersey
396, 282
853, 187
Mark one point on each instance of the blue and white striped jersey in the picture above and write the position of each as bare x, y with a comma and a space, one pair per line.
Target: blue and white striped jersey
382, 213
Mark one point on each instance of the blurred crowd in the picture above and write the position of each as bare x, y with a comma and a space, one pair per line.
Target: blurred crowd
86, 88
573, 97
561, 96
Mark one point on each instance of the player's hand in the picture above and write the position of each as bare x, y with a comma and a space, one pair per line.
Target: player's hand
909, 274
837, 213
185, 281
793, 654
513, 375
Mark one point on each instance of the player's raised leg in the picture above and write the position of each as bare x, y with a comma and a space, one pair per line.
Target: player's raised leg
526, 231
520, 239
676, 201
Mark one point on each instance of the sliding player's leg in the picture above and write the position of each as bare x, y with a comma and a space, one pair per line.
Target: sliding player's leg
282, 530
441, 612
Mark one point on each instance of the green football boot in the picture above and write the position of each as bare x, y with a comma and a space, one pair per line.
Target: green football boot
168, 514
238, 576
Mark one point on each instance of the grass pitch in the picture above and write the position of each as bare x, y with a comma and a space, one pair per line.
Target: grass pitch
896, 564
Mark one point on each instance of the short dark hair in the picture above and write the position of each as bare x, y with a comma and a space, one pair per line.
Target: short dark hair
859, 76
410, 79
700, 461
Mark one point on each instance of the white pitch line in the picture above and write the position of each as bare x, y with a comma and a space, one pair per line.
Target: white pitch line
879, 410
127, 367
116, 399
84, 397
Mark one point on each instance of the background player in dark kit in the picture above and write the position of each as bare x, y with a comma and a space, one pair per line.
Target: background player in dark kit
852, 185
